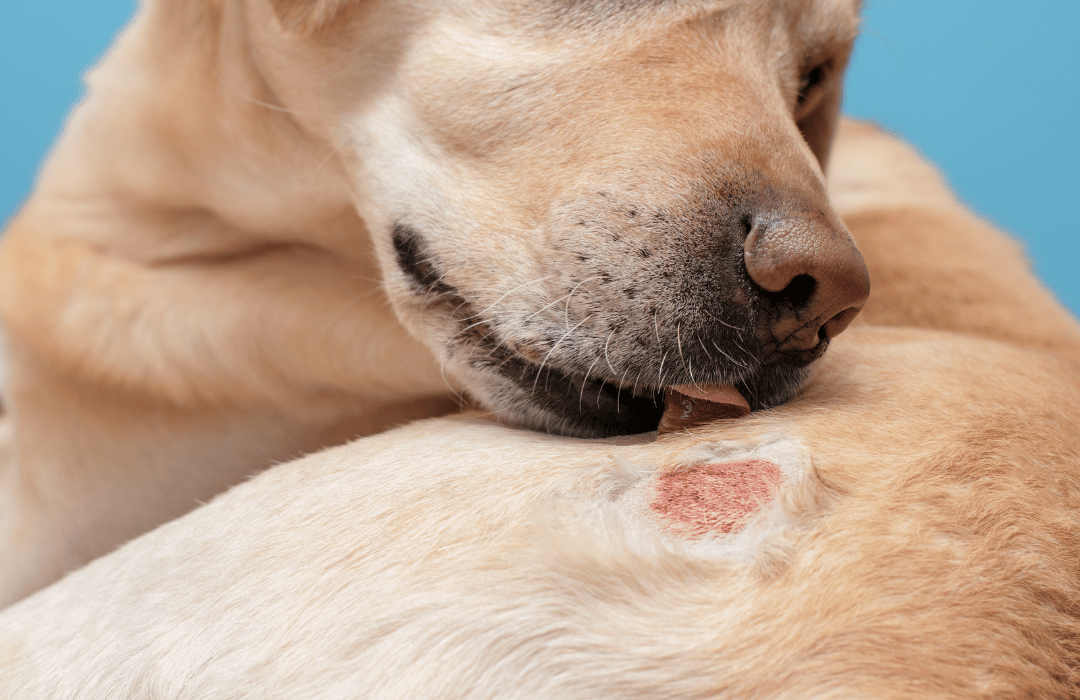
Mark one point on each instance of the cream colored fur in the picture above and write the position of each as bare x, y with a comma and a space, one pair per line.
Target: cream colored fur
204, 282
925, 544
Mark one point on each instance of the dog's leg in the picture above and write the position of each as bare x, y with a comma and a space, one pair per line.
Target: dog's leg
136, 391
188, 296
89, 466
186, 396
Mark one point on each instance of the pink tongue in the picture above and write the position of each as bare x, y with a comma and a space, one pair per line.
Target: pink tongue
717, 393
686, 405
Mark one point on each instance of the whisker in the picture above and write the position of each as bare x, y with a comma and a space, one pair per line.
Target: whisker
336, 150
457, 308
705, 349
497, 346
376, 286
606, 358
752, 394
723, 322
542, 308
270, 106
566, 312
729, 357
458, 396
553, 348
480, 315
581, 396
660, 347
686, 362
600, 392
637, 386
431, 298
618, 394
468, 327
496, 303
745, 351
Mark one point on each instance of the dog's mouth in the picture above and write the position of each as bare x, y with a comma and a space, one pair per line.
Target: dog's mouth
525, 384
571, 403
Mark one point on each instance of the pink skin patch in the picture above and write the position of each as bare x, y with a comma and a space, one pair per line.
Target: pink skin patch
714, 498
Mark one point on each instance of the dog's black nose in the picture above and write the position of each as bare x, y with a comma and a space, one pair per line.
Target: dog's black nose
812, 275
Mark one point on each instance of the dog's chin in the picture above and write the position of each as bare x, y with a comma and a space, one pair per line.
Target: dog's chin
567, 403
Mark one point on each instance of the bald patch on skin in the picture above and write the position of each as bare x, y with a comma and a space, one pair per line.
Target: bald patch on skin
714, 498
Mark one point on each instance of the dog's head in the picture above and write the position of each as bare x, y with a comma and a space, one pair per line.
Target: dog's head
576, 204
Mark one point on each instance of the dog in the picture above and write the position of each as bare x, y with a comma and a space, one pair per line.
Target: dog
276, 225
916, 534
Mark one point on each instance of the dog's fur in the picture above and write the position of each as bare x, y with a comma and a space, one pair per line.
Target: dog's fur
925, 544
569, 204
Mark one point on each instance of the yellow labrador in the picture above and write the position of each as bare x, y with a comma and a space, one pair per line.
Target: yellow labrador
275, 225
906, 527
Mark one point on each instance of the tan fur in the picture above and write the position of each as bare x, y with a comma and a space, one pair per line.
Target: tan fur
206, 280
929, 548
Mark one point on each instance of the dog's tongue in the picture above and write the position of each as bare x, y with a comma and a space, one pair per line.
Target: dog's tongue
687, 405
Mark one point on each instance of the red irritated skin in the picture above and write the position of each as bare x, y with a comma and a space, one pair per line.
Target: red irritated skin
687, 405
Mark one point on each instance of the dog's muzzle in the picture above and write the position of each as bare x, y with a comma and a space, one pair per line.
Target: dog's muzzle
748, 303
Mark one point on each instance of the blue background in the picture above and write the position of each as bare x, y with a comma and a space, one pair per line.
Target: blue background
988, 89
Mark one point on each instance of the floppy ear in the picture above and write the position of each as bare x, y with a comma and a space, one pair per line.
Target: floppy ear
307, 17
819, 126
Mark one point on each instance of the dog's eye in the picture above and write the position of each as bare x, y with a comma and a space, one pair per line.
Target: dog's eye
811, 79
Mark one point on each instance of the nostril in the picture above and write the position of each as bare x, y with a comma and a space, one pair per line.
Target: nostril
799, 291
797, 294
836, 325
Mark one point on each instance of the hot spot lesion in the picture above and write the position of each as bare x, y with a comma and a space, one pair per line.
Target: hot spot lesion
716, 498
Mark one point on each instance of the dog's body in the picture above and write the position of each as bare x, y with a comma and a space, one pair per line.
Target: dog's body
922, 541
568, 206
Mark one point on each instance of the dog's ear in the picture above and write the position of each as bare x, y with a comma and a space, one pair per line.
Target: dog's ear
308, 17
818, 127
